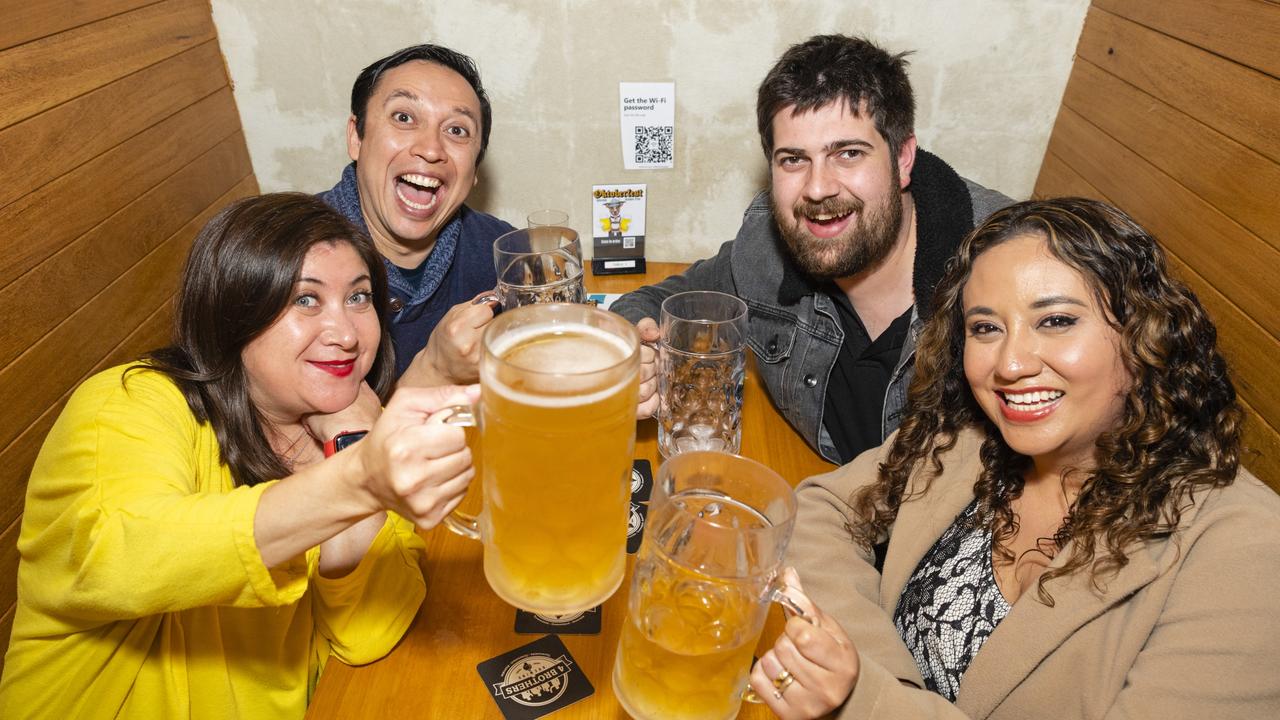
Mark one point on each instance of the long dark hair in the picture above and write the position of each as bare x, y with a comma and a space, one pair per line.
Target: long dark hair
1180, 427
239, 278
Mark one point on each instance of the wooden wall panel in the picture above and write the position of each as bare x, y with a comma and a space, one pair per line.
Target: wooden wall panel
1245, 31
1186, 224
26, 20
46, 220
41, 74
25, 160
87, 265
1211, 165
60, 359
1171, 114
119, 138
1237, 101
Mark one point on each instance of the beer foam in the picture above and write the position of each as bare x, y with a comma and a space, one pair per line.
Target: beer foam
561, 362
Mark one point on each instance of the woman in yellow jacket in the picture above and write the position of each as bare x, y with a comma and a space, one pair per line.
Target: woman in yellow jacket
187, 550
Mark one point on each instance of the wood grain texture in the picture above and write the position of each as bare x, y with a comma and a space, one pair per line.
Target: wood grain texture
1239, 182
1237, 101
25, 20
1262, 448
1245, 31
9, 559
1188, 226
6, 628
47, 72
83, 268
43, 222
33, 152
463, 623
36, 379
1058, 179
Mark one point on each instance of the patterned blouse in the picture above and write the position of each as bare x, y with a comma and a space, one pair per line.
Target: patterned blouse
951, 604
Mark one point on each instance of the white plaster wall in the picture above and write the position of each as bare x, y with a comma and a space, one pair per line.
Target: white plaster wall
988, 77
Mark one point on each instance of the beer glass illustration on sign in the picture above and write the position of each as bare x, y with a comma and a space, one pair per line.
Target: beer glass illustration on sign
705, 574
702, 363
558, 386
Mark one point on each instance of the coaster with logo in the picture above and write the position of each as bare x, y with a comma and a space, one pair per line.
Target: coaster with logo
586, 622
535, 679
641, 481
635, 526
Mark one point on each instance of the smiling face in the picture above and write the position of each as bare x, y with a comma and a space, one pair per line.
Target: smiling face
313, 358
416, 163
837, 189
1040, 355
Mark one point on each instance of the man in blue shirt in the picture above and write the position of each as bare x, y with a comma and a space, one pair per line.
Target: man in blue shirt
419, 127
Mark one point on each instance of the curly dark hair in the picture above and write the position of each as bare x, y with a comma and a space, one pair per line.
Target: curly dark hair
1179, 431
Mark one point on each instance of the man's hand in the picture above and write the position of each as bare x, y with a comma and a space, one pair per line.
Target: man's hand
452, 354
648, 401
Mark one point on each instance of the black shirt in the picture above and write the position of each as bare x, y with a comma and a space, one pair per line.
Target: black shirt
855, 391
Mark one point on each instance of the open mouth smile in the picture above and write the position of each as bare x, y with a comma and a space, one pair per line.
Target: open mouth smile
417, 192
1028, 405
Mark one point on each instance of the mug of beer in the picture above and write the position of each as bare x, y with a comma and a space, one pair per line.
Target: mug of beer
541, 264
704, 577
557, 431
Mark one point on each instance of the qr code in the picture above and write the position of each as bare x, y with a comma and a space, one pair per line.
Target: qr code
653, 144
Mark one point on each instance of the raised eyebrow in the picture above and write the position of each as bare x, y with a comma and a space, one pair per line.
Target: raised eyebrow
363, 277
401, 93
1045, 302
798, 152
842, 144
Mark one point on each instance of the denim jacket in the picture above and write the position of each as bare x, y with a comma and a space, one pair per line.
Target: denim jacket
793, 328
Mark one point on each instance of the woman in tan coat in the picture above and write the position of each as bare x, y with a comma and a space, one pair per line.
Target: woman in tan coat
1064, 526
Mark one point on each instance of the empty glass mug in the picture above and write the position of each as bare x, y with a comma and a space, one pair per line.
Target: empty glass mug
705, 574
702, 362
558, 386
540, 264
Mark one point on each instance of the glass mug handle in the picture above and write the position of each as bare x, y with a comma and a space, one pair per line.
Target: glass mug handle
465, 416
791, 609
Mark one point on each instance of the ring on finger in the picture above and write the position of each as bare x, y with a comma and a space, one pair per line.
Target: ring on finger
782, 682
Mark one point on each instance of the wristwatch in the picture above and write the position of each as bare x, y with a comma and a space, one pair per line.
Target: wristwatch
342, 440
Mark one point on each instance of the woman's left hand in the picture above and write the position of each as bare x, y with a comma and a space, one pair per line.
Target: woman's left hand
359, 415
812, 668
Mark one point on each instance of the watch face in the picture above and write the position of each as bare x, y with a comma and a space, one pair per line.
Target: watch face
345, 440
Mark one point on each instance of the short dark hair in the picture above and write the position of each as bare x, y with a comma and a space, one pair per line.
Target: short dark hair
238, 279
832, 68
367, 81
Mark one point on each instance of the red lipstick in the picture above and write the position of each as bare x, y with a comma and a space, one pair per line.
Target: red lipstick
1017, 414
338, 368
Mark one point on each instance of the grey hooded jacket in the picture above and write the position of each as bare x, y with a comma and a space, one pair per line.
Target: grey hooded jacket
794, 330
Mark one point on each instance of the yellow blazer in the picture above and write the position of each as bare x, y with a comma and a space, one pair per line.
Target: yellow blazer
1190, 628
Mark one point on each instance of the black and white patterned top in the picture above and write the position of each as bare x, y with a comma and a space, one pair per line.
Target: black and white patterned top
951, 604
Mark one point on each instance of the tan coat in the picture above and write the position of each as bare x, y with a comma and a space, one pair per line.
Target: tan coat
1190, 628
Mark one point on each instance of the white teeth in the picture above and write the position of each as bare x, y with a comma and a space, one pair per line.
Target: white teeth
421, 180
412, 204
825, 217
1035, 400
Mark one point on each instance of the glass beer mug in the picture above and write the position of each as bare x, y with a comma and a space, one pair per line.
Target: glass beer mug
557, 429
704, 577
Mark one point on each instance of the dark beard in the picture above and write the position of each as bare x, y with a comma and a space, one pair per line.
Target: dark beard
863, 245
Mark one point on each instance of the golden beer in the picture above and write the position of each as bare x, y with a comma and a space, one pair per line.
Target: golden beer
685, 651
558, 418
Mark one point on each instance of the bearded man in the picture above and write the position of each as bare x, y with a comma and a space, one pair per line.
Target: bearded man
838, 259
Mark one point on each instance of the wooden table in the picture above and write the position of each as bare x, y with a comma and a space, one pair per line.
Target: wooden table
432, 672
